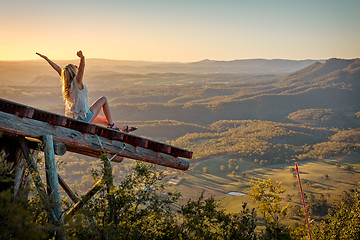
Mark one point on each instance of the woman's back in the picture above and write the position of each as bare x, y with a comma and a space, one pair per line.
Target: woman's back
76, 105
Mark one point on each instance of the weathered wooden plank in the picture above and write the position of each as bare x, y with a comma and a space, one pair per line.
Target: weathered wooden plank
52, 118
80, 126
16, 109
87, 144
138, 153
59, 120
150, 144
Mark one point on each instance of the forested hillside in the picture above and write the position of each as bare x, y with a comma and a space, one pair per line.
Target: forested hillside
242, 119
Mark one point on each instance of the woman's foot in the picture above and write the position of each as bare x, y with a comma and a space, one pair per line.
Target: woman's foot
129, 129
112, 126
124, 129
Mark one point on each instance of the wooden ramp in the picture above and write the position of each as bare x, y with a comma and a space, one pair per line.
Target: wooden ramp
86, 138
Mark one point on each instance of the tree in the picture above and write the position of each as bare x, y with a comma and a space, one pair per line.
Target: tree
17, 218
137, 208
344, 222
203, 219
267, 195
317, 206
140, 208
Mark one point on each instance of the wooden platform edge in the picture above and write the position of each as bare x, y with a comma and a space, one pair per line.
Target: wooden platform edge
25, 111
85, 143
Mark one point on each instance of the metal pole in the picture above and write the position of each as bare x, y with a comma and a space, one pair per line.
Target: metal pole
302, 194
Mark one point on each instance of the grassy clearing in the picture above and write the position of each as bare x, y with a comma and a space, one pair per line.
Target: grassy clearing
328, 177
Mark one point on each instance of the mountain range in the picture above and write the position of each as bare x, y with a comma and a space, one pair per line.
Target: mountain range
24, 72
333, 84
154, 91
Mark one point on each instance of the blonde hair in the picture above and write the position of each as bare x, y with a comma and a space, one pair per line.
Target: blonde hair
67, 76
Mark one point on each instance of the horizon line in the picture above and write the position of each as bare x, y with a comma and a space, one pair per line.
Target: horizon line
158, 61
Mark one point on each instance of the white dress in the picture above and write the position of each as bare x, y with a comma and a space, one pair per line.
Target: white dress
77, 105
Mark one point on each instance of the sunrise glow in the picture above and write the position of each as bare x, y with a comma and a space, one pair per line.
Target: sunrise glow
180, 30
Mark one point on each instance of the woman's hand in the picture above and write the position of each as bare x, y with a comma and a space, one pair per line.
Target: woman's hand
43, 56
80, 73
52, 64
80, 54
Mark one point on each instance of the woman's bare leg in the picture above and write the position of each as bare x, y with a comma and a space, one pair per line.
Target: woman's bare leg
99, 120
103, 121
102, 104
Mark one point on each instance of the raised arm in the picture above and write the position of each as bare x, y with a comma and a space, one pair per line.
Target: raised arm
80, 74
52, 64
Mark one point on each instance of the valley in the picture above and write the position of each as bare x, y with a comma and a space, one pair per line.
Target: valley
242, 122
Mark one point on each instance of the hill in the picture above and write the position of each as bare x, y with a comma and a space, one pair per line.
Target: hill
269, 142
334, 84
334, 72
37, 71
201, 98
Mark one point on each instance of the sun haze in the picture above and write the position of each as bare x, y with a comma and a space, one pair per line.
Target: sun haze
163, 30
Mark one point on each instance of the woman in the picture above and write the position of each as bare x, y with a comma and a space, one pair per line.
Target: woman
75, 94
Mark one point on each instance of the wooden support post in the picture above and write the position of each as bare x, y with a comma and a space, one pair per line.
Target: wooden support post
11, 146
68, 190
107, 172
53, 183
72, 195
88, 195
36, 178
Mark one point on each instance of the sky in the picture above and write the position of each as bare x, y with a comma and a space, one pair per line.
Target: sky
180, 30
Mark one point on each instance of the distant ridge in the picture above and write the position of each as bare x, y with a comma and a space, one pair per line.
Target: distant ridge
207, 66
21, 72
252, 65
335, 72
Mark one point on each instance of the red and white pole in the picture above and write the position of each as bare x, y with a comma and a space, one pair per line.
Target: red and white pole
302, 194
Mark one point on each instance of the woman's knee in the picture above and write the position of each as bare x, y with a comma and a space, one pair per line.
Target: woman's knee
103, 99
99, 103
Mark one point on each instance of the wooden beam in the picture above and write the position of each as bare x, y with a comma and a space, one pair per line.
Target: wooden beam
24, 111
86, 144
36, 144
16, 109
87, 196
37, 179
68, 190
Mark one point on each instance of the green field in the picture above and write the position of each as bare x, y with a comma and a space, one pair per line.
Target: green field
218, 183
